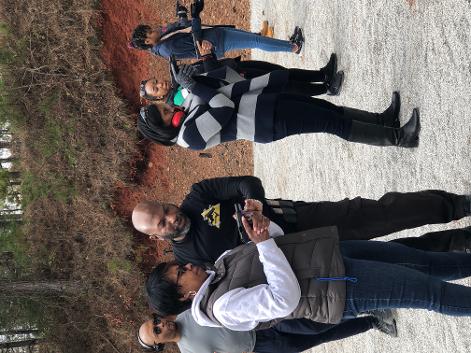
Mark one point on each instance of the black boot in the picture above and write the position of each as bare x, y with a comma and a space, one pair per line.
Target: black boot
332, 79
378, 135
330, 69
335, 84
390, 117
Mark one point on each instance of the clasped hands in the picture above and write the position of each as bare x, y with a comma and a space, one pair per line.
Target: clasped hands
258, 230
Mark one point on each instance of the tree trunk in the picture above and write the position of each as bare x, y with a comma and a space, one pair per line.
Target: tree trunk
8, 160
39, 287
14, 175
17, 344
5, 144
5, 213
26, 331
10, 218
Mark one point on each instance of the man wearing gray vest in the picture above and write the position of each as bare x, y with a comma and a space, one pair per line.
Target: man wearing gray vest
310, 275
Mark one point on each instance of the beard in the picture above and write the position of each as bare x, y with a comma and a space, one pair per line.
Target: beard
182, 229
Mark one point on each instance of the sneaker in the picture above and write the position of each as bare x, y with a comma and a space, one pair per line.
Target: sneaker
293, 36
297, 38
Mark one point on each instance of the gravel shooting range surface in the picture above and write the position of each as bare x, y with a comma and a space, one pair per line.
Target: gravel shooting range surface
421, 48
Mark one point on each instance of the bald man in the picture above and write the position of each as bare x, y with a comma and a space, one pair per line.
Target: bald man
203, 227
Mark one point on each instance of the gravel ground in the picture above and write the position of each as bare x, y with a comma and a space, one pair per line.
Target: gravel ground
421, 49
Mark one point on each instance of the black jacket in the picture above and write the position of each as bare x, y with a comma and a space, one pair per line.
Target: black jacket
210, 207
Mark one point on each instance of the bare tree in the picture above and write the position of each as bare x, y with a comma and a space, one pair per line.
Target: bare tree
22, 331
23, 343
39, 287
5, 144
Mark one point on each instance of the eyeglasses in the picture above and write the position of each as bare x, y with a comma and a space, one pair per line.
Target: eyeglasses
181, 269
156, 320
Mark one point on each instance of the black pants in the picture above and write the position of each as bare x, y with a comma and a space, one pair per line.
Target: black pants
300, 81
300, 114
364, 219
292, 336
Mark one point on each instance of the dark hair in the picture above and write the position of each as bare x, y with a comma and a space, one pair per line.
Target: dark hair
139, 36
143, 92
162, 294
151, 125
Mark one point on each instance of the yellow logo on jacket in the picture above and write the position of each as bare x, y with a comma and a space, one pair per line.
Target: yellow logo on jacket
212, 215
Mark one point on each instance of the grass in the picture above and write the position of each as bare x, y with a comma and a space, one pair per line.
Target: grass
116, 265
50, 186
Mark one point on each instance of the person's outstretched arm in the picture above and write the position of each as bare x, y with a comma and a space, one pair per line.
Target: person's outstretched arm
242, 309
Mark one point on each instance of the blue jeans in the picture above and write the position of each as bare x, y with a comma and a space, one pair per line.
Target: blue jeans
392, 275
235, 39
298, 335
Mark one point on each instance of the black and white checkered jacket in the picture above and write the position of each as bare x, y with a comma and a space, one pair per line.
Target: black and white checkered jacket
239, 110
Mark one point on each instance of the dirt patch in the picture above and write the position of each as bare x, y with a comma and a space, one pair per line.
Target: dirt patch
163, 173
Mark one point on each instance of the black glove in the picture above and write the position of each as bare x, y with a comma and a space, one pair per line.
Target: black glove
184, 76
196, 8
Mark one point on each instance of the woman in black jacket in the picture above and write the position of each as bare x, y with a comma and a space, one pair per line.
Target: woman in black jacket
260, 110
326, 80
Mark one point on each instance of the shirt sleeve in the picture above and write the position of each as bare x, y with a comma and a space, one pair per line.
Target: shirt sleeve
203, 129
230, 188
241, 309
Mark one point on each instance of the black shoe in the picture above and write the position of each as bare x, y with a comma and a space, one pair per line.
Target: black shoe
409, 133
383, 320
390, 117
330, 69
389, 329
386, 315
297, 38
335, 84
293, 36
376, 134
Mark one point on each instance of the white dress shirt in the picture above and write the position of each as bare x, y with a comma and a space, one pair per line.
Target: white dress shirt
242, 309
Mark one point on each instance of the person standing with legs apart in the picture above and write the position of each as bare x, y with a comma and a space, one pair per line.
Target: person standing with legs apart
258, 110
287, 337
308, 275
184, 39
